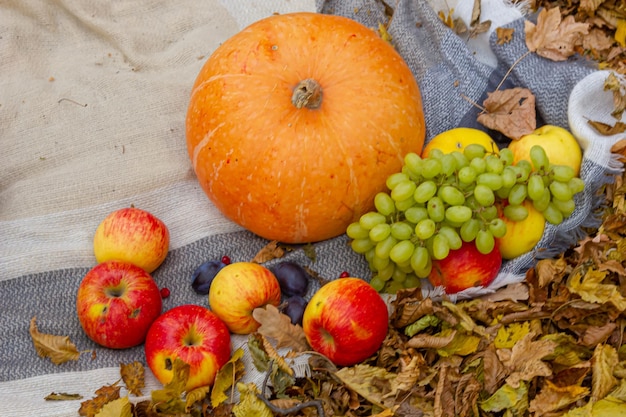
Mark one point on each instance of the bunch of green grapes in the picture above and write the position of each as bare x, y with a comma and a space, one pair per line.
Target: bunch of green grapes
438, 202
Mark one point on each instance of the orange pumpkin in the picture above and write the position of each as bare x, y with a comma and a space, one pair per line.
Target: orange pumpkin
295, 123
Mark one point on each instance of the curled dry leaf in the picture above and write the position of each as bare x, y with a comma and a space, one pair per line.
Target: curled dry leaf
270, 251
62, 396
617, 84
504, 35
278, 326
510, 112
553, 38
104, 395
133, 375
58, 349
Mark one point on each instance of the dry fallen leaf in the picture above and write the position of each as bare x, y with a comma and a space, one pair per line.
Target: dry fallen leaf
510, 112
62, 396
504, 35
133, 377
607, 129
278, 326
553, 38
58, 349
104, 395
269, 252
617, 84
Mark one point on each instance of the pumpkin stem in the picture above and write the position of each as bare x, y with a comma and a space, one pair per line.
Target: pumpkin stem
308, 93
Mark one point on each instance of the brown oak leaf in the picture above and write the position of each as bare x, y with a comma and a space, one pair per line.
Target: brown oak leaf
58, 349
553, 38
278, 326
510, 112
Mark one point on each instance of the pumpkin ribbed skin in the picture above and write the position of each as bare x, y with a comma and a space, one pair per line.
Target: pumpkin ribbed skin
300, 174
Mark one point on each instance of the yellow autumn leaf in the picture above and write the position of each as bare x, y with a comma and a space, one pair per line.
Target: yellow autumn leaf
620, 32
226, 377
525, 359
194, 396
552, 397
462, 343
590, 288
133, 377
360, 377
249, 404
515, 400
116, 408
508, 335
604, 360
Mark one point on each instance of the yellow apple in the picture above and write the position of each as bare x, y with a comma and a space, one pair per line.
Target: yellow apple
560, 145
132, 235
521, 236
458, 138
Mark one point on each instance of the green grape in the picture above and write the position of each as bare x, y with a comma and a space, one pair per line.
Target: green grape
369, 256
562, 173
396, 178
404, 205
576, 185
473, 151
525, 168
535, 187
485, 241
517, 195
509, 176
392, 287
384, 204
361, 245
371, 219
401, 230
506, 156
425, 271
461, 160
542, 203
435, 153
380, 232
415, 214
401, 251
425, 191
565, 207
493, 164
539, 158
403, 190
424, 229
467, 174
355, 231
471, 202
405, 266
398, 275
448, 165
436, 209
469, 230
497, 227
431, 168
553, 214
517, 213
440, 246
452, 236
493, 181
503, 193
412, 281
377, 263
489, 213
560, 191
386, 273
377, 283
458, 214
479, 165
420, 258
451, 195
384, 247
484, 195
414, 163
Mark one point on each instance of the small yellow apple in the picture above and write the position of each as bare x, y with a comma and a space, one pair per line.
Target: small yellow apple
521, 236
132, 235
560, 145
458, 138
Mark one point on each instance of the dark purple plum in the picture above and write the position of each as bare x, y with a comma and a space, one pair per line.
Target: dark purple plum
203, 276
292, 278
294, 308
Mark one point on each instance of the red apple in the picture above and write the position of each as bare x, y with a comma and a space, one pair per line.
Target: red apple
346, 320
194, 335
464, 268
132, 235
239, 288
116, 303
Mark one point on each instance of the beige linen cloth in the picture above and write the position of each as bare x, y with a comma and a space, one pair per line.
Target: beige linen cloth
93, 96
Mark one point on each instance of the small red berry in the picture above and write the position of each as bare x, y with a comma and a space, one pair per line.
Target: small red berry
225, 260
344, 274
165, 292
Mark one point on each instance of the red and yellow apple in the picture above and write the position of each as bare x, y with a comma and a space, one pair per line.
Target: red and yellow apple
239, 288
116, 303
193, 334
464, 268
132, 235
521, 236
346, 320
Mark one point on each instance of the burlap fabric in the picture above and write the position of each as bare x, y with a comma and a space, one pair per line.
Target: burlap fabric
93, 98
